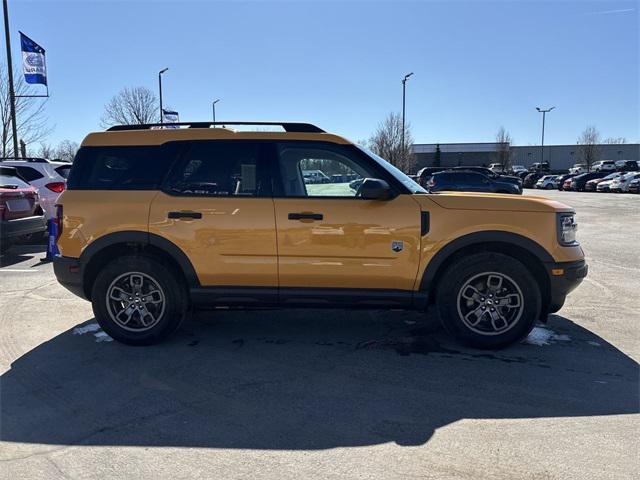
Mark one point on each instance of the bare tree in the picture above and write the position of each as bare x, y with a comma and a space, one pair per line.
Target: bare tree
503, 154
66, 150
615, 140
33, 124
387, 142
135, 105
44, 151
588, 146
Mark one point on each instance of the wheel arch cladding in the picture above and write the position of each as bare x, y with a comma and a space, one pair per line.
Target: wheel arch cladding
523, 249
113, 245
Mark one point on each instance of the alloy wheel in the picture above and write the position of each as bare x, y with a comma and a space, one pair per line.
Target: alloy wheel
135, 301
490, 303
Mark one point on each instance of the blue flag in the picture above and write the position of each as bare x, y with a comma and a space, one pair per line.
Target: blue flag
170, 116
33, 64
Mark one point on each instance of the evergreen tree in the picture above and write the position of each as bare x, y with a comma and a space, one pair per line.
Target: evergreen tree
437, 159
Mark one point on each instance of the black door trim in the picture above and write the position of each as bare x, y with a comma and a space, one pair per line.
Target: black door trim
303, 297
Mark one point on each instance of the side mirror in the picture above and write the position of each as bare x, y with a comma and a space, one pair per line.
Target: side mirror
375, 189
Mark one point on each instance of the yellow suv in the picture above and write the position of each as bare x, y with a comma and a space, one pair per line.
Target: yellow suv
155, 221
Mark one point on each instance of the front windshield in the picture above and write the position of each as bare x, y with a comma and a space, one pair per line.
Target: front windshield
395, 172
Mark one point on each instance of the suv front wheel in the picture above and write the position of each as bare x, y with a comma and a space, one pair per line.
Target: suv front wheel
138, 301
488, 300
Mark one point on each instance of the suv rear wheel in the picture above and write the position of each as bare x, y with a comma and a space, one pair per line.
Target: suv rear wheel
138, 301
488, 300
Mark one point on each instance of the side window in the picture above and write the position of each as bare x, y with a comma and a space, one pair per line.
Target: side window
221, 169
320, 171
29, 174
120, 168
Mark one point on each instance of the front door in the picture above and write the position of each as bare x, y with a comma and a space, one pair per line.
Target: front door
328, 237
216, 206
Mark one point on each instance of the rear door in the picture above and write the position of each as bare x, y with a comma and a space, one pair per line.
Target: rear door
216, 206
329, 238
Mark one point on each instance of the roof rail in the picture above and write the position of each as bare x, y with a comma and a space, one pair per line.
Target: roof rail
25, 159
296, 127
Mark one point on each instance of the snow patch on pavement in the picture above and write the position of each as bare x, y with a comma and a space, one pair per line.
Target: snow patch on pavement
94, 328
102, 337
543, 336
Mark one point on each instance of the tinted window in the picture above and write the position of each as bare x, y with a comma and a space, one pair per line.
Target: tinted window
11, 182
121, 168
63, 171
29, 174
221, 169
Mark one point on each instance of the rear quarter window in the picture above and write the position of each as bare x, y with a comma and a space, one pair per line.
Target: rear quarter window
121, 168
29, 174
63, 171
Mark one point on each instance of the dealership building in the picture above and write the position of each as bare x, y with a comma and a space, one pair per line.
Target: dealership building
559, 156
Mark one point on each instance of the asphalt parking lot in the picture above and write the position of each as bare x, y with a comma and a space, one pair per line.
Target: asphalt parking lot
317, 394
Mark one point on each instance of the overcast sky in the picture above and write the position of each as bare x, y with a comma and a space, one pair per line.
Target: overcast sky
478, 65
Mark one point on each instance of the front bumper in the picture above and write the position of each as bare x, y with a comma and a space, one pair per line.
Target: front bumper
68, 271
564, 277
20, 227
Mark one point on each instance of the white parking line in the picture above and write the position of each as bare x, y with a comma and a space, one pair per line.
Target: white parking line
19, 270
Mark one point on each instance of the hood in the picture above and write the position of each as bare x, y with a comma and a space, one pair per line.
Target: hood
495, 202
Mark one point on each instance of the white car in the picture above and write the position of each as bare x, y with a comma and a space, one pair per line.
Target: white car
621, 184
578, 168
496, 167
547, 182
48, 177
604, 166
518, 169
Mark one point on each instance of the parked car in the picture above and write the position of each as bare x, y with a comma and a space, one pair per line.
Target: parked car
578, 168
627, 166
605, 185
547, 182
621, 183
542, 167
492, 175
469, 181
496, 167
20, 213
516, 169
578, 183
560, 181
156, 251
634, 186
315, 176
604, 166
424, 174
48, 177
531, 179
592, 185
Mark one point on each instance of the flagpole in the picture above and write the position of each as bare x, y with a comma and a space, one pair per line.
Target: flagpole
12, 93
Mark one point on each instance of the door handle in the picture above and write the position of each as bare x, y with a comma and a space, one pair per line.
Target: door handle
305, 216
179, 215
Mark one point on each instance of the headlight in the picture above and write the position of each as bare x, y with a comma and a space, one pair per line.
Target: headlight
567, 228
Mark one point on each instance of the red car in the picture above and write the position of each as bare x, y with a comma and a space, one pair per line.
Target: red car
20, 212
567, 184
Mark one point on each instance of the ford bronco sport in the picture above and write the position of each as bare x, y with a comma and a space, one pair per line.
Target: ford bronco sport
156, 221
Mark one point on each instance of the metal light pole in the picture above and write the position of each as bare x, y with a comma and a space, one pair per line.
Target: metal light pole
160, 92
213, 106
404, 81
12, 93
544, 114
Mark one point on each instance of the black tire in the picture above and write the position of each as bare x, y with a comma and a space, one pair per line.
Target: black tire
453, 288
549, 186
167, 300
